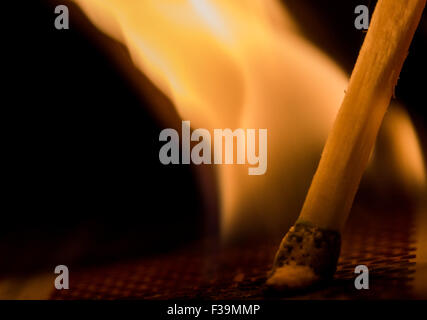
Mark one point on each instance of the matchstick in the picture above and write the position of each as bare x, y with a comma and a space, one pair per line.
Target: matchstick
309, 252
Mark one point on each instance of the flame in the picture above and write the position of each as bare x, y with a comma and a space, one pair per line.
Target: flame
398, 147
237, 64
406, 149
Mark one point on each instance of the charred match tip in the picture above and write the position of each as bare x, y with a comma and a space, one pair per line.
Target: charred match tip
307, 255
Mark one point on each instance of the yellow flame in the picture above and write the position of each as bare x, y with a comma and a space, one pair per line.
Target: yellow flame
237, 64
399, 148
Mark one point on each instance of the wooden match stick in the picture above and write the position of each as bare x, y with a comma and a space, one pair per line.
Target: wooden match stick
309, 252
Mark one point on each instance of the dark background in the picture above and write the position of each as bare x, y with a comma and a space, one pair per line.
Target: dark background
81, 174
81, 177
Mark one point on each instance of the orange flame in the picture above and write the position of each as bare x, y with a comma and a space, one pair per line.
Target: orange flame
237, 64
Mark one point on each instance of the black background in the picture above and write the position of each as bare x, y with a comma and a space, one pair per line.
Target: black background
81, 174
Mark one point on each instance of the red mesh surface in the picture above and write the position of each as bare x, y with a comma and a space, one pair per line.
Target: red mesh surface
382, 242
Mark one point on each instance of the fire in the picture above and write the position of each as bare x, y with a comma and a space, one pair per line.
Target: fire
399, 148
237, 64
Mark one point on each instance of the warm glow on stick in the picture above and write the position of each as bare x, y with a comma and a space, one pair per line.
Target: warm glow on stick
314, 241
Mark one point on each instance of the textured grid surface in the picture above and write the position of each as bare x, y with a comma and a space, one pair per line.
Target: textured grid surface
383, 242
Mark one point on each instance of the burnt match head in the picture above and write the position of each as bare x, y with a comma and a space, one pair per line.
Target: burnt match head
307, 255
